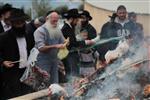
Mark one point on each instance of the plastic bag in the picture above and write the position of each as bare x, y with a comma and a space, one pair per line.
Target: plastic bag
33, 75
63, 53
36, 78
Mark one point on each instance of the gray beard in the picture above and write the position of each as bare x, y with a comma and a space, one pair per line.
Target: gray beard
54, 32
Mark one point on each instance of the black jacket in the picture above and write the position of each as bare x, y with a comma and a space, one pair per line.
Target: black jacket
108, 30
114, 29
1, 28
10, 85
70, 32
9, 48
30, 29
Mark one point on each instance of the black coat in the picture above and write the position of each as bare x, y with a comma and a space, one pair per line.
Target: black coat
108, 30
70, 32
30, 29
10, 85
1, 28
113, 29
9, 48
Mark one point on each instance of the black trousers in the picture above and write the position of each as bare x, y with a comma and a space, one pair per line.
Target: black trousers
11, 85
71, 64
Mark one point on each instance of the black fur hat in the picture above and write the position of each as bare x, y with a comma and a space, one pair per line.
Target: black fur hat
72, 13
5, 8
18, 14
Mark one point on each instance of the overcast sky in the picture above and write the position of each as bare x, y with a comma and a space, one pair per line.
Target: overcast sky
138, 6
53, 3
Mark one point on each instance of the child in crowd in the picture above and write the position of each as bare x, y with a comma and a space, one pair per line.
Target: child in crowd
87, 56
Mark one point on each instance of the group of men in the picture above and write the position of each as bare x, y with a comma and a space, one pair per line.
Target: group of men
17, 39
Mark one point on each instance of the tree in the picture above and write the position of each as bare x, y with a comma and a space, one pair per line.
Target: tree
62, 9
81, 7
1, 4
40, 7
29, 13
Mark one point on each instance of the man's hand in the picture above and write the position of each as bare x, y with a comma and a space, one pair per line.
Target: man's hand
80, 82
89, 42
8, 64
49, 91
66, 43
59, 46
147, 90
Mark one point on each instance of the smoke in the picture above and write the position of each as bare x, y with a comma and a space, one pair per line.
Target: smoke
123, 79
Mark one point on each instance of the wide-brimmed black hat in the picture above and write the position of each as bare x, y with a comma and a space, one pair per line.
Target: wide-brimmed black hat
114, 15
5, 8
87, 14
72, 13
18, 14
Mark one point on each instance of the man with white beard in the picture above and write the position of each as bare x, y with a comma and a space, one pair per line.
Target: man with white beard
48, 39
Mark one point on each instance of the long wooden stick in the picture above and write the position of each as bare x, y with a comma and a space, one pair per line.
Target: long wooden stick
32, 96
118, 69
17, 61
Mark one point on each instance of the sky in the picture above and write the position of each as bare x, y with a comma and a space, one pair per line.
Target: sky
139, 6
53, 3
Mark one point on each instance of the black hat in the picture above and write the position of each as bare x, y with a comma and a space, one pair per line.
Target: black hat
41, 19
87, 14
18, 14
7, 7
114, 15
72, 13
131, 14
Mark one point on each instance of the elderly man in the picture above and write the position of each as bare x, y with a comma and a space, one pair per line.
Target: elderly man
48, 39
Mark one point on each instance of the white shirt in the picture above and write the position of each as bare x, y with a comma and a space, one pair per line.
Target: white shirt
117, 20
68, 23
5, 27
22, 51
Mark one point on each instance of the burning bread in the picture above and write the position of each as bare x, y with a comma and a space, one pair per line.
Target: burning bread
114, 99
121, 49
58, 90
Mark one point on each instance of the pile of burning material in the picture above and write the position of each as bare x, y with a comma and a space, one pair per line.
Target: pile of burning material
57, 92
124, 79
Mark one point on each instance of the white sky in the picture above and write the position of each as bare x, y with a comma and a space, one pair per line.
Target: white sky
53, 3
138, 6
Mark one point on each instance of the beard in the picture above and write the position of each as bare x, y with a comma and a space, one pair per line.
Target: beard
84, 23
73, 24
19, 31
54, 32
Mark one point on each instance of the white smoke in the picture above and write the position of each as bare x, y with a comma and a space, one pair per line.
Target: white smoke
122, 81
